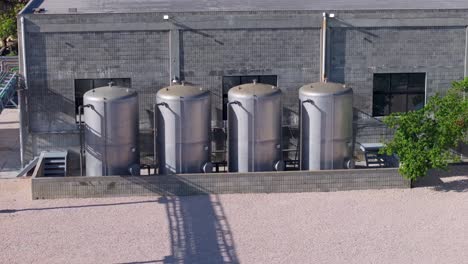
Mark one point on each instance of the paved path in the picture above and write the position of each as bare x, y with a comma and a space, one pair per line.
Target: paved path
9, 143
421, 225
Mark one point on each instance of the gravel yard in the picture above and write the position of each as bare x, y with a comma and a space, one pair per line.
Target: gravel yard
421, 225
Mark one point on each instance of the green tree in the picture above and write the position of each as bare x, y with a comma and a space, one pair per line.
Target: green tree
8, 11
423, 139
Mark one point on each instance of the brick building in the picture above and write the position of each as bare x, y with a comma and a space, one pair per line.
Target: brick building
394, 54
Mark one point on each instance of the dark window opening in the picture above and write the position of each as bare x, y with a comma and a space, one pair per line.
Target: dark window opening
231, 81
398, 93
84, 85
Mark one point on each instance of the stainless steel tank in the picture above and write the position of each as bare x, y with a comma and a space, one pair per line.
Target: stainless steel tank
326, 132
183, 129
111, 131
254, 128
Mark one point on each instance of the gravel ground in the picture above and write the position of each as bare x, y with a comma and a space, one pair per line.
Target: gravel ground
422, 225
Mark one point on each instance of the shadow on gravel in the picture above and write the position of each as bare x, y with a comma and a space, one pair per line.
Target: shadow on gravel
454, 186
199, 230
434, 179
10, 211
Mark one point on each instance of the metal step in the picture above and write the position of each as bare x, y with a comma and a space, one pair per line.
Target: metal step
55, 163
48, 173
51, 161
54, 166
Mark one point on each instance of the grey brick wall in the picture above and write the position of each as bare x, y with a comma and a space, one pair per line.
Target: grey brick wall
61, 48
358, 53
291, 54
55, 60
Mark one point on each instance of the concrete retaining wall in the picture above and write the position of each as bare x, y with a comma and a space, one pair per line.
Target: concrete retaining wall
222, 183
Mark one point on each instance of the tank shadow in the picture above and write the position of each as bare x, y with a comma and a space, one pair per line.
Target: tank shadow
199, 230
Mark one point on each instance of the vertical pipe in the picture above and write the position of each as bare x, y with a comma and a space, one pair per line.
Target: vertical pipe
174, 53
280, 149
229, 131
21, 94
155, 148
155, 135
80, 131
104, 158
323, 50
253, 131
23, 51
301, 123
181, 135
301, 134
332, 134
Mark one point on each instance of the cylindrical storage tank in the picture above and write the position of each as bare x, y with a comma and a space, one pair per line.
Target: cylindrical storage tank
183, 129
111, 131
254, 128
326, 132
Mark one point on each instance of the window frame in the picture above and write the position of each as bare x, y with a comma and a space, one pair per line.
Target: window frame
388, 93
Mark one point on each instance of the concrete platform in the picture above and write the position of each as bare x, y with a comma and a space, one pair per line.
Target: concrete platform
9, 143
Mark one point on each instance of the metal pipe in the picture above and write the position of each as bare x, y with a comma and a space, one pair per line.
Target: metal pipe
253, 131
300, 130
23, 51
227, 129
80, 129
332, 134
155, 143
299, 140
323, 54
20, 92
181, 133
104, 128
155, 140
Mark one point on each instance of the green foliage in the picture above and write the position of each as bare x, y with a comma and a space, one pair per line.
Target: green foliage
424, 138
9, 9
7, 25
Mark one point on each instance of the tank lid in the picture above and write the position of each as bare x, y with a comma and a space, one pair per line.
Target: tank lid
254, 89
110, 93
323, 89
178, 91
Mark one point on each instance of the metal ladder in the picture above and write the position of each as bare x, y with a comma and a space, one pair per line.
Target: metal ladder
7, 89
55, 164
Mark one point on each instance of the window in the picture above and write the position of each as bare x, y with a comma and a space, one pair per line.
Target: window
231, 81
84, 85
398, 92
